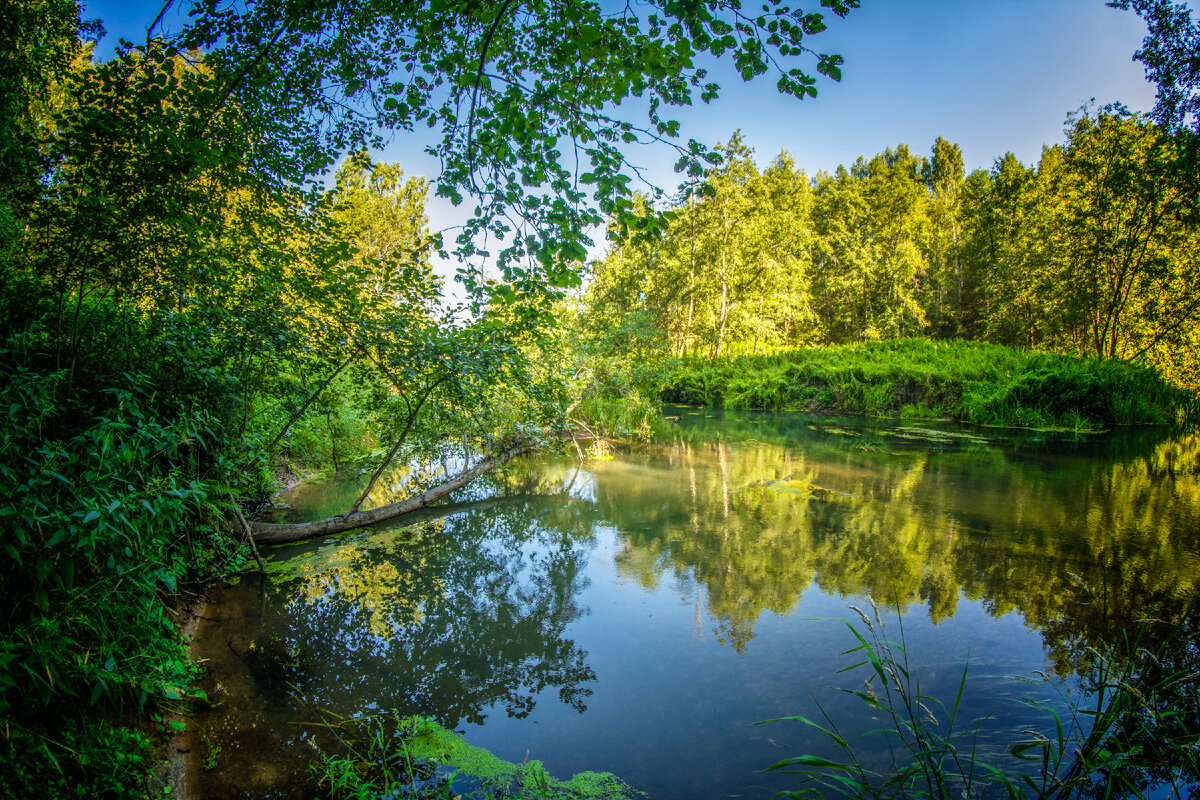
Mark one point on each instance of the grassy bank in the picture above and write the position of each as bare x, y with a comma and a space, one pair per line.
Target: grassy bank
922, 379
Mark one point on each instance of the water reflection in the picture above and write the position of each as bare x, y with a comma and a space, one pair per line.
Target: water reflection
467, 613
595, 589
456, 618
754, 506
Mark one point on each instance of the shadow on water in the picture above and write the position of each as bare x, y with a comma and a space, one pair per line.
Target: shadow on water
637, 615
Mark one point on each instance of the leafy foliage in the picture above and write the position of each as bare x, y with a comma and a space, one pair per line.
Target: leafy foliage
525, 96
100, 524
81, 759
1171, 53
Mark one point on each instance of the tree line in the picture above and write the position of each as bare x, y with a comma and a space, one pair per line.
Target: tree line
1094, 250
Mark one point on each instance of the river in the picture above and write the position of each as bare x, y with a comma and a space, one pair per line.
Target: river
639, 614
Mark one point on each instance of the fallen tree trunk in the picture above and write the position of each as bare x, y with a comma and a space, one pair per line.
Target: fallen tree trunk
271, 533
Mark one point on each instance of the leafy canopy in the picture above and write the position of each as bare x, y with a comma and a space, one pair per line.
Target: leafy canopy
1171, 53
525, 95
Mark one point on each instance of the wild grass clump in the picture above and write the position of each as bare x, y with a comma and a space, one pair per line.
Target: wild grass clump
921, 378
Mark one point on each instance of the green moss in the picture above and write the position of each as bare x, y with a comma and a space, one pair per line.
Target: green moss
430, 741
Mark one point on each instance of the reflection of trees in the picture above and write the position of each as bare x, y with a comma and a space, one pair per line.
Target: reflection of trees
1159, 734
756, 508
445, 619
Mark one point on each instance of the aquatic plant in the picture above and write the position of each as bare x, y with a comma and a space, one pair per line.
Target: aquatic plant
391, 756
1136, 731
931, 754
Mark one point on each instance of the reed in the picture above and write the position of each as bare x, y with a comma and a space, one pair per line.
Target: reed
1134, 734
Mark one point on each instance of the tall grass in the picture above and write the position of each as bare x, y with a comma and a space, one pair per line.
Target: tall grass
1136, 734
921, 378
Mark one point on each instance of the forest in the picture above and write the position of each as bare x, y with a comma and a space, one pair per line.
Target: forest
208, 287
1092, 251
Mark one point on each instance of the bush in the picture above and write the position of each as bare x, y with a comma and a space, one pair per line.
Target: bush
102, 519
83, 760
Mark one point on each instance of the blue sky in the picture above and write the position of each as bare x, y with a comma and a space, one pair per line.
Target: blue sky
991, 75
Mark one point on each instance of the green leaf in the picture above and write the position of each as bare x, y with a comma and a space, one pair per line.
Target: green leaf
807, 761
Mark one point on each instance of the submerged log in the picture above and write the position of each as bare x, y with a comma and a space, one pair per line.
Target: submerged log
272, 533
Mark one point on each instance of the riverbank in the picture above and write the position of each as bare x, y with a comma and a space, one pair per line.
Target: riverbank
923, 379
174, 756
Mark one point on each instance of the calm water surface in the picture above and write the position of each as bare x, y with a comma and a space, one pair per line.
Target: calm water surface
638, 615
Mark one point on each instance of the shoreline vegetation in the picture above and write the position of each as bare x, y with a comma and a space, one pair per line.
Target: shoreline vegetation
973, 382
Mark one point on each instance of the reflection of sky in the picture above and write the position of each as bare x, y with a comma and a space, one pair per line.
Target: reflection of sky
680, 596
673, 711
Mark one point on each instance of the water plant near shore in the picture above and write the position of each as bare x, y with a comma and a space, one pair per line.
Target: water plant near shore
393, 756
1135, 733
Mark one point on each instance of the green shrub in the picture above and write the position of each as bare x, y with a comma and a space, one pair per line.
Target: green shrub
98, 524
80, 759
103, 518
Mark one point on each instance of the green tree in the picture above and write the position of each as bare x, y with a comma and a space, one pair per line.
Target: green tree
170, 265
1005, 284
730, 244
1130, 255
42, 42
1171, 53
870, 262
733, 266
780, 309
943, 289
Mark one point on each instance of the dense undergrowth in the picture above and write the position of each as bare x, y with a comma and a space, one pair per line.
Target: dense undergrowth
920, 378
108, 511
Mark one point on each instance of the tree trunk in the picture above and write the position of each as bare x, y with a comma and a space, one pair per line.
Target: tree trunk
269, 533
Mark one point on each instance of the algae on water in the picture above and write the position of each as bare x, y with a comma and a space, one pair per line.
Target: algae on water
807, 490
428, 740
